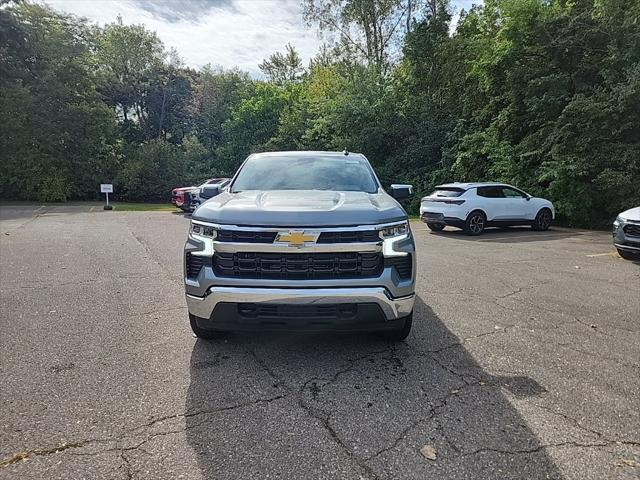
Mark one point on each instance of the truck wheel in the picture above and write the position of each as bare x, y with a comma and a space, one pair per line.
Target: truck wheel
401, 333
627, 255
435, 227
475, 223
203, 333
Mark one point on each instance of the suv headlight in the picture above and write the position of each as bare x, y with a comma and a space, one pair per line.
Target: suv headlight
203, 230
394, 230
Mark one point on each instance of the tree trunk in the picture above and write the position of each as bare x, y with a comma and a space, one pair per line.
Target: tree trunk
162, 110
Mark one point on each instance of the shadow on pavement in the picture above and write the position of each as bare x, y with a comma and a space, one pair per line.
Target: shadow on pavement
181, 213
508, 235
347, 406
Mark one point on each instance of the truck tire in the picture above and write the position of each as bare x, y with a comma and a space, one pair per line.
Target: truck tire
399, 334
203, 333
435, 227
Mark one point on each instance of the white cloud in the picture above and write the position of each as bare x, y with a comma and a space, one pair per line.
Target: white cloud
229, 33
236, 33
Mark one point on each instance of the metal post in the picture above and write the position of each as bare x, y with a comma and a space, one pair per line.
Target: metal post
107, 206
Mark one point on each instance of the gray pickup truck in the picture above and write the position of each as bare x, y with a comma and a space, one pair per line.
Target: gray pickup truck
302, 241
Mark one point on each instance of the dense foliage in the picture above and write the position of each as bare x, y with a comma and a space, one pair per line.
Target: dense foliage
544, 94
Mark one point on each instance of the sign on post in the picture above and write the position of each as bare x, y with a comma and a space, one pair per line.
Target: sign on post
106, 188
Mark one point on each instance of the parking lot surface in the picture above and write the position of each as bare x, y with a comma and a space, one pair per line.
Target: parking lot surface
524, 362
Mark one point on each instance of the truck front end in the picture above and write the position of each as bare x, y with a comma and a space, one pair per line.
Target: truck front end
301, 258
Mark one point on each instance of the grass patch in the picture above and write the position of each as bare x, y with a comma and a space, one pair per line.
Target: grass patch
143, 207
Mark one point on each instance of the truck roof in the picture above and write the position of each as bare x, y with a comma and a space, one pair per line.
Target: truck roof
307, 153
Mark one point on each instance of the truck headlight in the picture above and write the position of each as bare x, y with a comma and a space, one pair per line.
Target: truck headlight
394, 230
203, 230
617, 223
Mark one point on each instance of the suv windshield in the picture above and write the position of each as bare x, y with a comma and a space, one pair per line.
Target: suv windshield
338, 173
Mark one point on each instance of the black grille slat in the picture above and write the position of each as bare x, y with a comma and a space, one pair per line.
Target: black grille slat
194, 265
284, 311
245, 236
403, 265
298, 266
357, 236
632, 229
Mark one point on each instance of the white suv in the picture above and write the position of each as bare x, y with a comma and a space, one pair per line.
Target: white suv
474, 206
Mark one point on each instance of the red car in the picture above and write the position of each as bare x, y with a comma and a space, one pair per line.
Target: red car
182, 197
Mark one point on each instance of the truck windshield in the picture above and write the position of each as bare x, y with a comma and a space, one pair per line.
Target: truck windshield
337, 173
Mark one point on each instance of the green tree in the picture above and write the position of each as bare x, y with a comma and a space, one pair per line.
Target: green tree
129, 58
367, 30
57, 133
217, 93
251, 125
283, 67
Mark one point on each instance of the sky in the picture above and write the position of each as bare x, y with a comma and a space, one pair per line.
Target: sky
226, 33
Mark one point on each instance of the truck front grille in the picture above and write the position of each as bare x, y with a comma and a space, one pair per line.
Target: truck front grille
298, 266
249, 236
632, 229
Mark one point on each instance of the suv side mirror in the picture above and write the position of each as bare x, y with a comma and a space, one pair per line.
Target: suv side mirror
209, 191
401, 191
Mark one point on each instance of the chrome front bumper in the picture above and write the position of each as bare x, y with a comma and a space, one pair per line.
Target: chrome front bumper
393, 308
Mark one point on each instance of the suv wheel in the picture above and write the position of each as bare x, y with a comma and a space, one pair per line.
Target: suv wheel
628, 255
542, 221
435, 227
475, 223
203, 333
401, 333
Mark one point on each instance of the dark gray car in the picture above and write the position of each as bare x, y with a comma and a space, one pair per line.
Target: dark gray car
626, 234
302, 240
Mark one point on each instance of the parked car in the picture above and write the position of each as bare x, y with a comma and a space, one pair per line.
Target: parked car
475, 206
626, 234
302, 241
183, 197
208, 190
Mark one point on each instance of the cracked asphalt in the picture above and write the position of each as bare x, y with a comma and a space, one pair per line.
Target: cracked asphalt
524, 362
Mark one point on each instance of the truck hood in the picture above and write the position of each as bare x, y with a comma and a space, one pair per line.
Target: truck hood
300, 208
631, 214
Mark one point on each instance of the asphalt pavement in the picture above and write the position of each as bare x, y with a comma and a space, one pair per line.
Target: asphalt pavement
524, 363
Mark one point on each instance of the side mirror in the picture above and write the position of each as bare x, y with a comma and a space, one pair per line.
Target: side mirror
209, 191
401, 191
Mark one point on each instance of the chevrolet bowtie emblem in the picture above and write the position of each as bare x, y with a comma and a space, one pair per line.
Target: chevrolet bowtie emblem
297, 238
